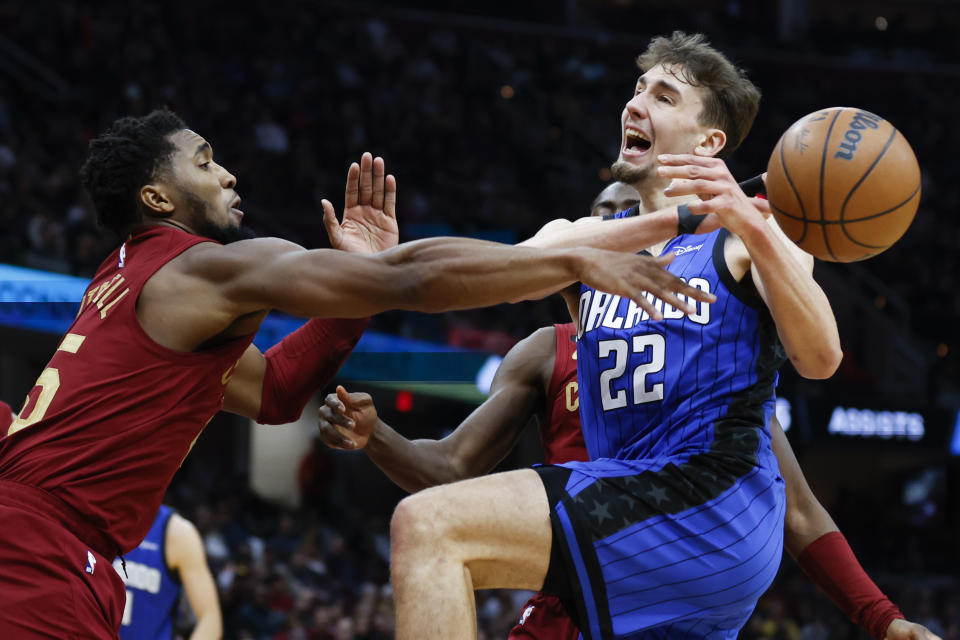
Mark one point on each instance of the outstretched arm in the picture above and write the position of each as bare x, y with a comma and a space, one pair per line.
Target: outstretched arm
185, 556
782, 272
474, 448
813, 539
432, 275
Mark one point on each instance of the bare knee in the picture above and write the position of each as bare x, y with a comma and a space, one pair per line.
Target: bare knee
415, 528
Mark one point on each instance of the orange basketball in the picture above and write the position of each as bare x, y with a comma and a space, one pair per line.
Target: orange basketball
843, 184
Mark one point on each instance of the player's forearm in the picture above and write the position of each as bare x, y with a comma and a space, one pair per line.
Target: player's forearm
830, 563
631, 234
302, 364
806, 519
457, 273
804, 319
410, 464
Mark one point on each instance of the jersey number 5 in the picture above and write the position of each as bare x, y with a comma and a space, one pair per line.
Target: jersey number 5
620, 349
49, 383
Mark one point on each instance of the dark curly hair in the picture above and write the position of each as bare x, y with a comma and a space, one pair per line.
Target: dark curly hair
731, 102
128, 155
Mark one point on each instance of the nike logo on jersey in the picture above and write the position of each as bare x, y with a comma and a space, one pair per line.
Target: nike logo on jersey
599, 309
526, 614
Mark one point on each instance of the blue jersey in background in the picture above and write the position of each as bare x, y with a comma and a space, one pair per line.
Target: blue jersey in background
153, 593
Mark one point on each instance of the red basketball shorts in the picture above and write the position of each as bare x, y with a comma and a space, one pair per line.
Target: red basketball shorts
52, 585
544, 618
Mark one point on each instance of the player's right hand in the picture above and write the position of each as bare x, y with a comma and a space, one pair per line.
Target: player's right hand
901, 629
630, 276
346, 420
369, 211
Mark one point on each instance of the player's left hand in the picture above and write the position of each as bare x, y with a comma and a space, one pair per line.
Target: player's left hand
370, 210
346, 420
710, 179
901, 629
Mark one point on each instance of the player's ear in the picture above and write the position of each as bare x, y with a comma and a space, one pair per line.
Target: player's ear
711, 143
155, 201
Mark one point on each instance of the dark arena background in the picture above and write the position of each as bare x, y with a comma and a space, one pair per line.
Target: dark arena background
495, 117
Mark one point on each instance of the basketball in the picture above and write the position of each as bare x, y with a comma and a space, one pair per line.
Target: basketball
843, 184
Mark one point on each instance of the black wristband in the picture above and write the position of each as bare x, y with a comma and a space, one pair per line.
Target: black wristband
754, 186
688, 222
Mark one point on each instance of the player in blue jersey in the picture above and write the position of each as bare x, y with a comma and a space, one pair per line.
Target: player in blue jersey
675, 526
169, 562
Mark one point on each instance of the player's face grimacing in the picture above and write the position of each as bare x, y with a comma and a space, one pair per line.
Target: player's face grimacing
203, 191
661, 117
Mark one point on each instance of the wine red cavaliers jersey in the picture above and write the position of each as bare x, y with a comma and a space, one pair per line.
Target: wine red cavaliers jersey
6, 417
113, 414
560, 433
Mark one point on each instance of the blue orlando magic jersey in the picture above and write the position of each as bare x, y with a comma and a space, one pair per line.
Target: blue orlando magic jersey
653, 389
152, 591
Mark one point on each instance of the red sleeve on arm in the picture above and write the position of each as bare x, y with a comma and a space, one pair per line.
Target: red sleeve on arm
830, 563
303, 363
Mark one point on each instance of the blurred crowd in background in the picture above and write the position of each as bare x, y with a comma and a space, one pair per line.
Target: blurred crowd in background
494, 121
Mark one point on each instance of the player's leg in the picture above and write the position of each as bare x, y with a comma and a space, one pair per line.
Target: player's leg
446, 541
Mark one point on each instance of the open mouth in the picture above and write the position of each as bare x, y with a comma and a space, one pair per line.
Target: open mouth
235, 207
636, 141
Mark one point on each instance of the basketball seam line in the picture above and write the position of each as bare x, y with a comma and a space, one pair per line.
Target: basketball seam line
843, 209
823, 167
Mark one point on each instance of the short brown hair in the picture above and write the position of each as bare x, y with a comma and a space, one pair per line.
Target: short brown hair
731, 101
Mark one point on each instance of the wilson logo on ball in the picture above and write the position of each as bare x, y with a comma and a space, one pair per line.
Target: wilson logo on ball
851, 138
843, 184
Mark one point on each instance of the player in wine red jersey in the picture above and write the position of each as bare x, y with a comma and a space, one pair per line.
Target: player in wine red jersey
6, 417
162, 341
538, 380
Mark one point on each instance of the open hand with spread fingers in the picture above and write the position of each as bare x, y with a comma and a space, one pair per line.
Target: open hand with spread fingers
370, 209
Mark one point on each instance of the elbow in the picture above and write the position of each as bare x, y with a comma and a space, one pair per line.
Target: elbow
456, 471
795, 531
818, 364
542, 237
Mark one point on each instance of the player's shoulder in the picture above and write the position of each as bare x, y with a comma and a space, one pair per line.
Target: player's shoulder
531, 360
543, 341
